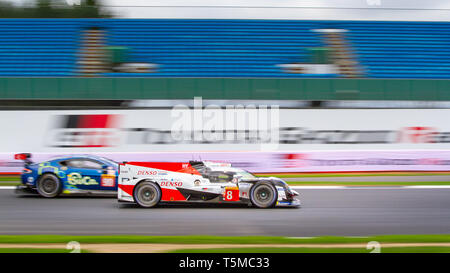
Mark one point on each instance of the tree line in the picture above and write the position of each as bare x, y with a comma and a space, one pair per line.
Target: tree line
54, 9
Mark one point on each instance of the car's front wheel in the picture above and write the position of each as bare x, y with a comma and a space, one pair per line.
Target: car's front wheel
263, 195
147, 194
49, 186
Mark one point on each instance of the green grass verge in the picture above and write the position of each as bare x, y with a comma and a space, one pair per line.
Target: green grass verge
281, 175
315, 250
37, 250
360, 183
9, 184
9, 178
207, 239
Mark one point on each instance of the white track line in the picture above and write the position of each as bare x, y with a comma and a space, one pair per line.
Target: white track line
318, 187
427, 187
7, 187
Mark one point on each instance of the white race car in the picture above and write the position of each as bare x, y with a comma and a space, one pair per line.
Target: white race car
149, 183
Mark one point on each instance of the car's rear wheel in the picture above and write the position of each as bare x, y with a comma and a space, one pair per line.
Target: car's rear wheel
49, 186
263, 195
147, 194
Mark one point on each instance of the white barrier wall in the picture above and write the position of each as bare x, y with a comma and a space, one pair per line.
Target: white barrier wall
308, 140
149, 131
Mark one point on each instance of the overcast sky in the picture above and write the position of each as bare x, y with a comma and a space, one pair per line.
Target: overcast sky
423, 10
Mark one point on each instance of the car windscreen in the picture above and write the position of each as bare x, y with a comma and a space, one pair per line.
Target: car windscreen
109, 161
244, 175
226, 176
220, 177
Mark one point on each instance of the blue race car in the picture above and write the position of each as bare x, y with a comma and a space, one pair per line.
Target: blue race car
86, 174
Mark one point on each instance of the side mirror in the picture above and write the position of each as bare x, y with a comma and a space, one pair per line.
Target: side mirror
237, 178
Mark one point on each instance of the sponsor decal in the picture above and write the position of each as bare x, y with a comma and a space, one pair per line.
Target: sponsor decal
418, 135
85, 131
133, 132
108, 180
299, 135
231, 194
72, 134
78, 179
145, 172
171, 184
46, 167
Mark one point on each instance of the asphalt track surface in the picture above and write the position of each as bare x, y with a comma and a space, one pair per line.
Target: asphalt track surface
345, 212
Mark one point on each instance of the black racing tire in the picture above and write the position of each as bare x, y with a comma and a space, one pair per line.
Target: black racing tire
263, 195
49, 186
147, 194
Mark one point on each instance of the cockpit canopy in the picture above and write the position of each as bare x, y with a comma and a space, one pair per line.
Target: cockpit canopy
221, 172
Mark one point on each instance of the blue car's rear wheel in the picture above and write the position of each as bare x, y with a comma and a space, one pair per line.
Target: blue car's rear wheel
49, 186
147, 194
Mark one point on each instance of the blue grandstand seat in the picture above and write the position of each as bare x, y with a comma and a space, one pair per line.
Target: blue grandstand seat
224, 48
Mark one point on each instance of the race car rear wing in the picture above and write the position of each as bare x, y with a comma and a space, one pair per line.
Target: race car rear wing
25, 157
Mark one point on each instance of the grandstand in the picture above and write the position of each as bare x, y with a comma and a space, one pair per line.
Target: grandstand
225, 48
38, 47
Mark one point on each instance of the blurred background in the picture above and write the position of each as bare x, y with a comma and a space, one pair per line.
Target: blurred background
362, 86
363, 83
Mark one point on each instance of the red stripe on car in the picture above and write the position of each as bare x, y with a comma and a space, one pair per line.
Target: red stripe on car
171, 195
127, 188
179, 167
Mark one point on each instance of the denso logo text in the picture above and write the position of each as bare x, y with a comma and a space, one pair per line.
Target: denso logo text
171, 184
146, 172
